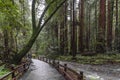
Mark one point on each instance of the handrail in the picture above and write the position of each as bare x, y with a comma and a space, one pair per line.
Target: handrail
15, 73
67, 72
69, 69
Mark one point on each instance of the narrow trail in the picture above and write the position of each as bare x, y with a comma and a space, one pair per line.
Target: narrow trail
41, 71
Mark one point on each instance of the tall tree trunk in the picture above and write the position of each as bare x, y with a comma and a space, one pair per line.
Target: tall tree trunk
12, 42
117, 37
6, 45
71, 23
110, 25
74, 42
62, 46
88, 28
65, 29
81, 31
100, 46
56, 29
96, 24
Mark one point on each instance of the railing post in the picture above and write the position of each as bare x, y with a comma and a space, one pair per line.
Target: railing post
24, 67
13, 73
53, 61
65, 67
80, 77
58, 64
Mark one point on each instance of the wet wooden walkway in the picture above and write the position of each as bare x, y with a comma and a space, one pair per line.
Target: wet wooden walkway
41, 71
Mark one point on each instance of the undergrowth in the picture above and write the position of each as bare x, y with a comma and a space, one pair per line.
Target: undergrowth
3, 71
96, 59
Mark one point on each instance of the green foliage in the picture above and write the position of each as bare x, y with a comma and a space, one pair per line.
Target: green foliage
66, 58
3, 71
16, 23
97, 59
10, 14
52, 55
57, 16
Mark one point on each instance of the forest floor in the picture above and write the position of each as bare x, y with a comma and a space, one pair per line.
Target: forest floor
97, 72
99, 67
3, 70
95, 59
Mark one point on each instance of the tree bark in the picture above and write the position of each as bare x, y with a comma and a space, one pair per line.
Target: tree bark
65, 29
6, 45
110, 24
74, 42
33, 16
100, 46
81, 29
62, 46
117, 37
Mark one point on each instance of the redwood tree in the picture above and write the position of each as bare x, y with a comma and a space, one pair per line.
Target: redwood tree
81, 28
100, 45
65, 28
110, 24
73, 32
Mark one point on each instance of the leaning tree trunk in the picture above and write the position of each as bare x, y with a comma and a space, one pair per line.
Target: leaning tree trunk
65, 29
18, 57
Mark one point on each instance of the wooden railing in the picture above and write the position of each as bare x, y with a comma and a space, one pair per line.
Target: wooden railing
67, 72
16, 72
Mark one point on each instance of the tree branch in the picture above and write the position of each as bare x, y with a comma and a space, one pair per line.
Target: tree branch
33, 16
45, 10
57, 8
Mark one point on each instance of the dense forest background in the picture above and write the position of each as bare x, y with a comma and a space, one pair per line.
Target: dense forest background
66, 27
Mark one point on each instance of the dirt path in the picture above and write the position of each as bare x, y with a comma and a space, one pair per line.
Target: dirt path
97, 72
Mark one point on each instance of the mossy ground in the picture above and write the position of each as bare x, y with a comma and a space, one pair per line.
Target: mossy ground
96, 59
3, 71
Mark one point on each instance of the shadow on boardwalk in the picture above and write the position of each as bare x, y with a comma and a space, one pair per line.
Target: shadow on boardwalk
41, 71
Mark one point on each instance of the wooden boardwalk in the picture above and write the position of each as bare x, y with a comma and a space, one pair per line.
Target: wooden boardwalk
41, 71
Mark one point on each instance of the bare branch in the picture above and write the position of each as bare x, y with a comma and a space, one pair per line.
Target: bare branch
57, 8
33, 16
45, 10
